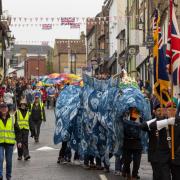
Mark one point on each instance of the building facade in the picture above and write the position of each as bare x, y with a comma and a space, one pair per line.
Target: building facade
35, 67
97, 35
6, 41
69, 55
21, 53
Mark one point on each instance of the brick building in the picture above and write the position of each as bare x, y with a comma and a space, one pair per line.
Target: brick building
34, 67
69, 55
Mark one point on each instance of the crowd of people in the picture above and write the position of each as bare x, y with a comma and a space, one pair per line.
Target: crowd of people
159, 144
22, 110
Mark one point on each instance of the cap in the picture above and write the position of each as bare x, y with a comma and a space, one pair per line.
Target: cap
3, 105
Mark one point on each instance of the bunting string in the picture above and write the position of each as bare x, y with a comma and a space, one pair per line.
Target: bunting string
69, 19
50, 42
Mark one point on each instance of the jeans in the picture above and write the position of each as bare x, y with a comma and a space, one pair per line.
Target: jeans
8, 151
35, 126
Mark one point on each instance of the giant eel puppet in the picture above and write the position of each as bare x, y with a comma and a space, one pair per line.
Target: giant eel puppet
89, 118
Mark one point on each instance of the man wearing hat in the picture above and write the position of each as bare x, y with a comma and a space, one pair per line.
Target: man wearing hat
22, 116
9, 134
159, 152
132, 146
36, 118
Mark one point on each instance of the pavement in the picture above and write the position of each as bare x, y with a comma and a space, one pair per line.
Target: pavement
43, 166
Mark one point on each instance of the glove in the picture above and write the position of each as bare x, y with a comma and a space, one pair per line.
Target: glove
162, 124
171, 121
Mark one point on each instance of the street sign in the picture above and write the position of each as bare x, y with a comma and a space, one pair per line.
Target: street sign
150, 42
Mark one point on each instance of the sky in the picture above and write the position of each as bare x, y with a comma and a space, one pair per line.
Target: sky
48, 8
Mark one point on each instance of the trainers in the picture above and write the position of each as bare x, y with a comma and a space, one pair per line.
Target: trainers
27, 158
19, 159
77, 162
58, 161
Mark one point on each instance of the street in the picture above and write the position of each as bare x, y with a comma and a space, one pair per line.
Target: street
43, 166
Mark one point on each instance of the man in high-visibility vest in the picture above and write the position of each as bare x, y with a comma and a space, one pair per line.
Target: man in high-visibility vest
22, 116
37, 116
9, 134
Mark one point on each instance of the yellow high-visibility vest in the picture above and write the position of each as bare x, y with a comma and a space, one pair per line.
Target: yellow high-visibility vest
23, 122
41, 107
7, 134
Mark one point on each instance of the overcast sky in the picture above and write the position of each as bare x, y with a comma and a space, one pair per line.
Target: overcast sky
49, 8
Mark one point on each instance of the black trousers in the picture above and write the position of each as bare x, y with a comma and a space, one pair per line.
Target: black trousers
175, 170
65, 151
130, 155
24, 150
76, 156
88, 160
161, 171
36, 125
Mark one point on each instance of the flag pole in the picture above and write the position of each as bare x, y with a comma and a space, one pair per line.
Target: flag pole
171, 69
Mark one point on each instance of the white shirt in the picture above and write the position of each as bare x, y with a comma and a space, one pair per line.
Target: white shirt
8, 98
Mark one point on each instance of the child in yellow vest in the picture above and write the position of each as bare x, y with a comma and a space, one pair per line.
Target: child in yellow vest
22, 116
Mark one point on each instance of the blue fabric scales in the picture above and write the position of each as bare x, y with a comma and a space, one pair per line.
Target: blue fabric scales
90, 118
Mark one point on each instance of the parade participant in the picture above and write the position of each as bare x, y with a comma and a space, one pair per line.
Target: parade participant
9, 133
44, 95
166, 167
64, 153
175, 164
28, 93
22, 116
8, 98
50, 96
159, 154
36, 117
132, 147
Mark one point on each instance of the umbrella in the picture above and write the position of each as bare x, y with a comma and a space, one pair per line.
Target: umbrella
54, 75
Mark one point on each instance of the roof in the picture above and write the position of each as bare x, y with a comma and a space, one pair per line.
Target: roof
32, 49
76, 46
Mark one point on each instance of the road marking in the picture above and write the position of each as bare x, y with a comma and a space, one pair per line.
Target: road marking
103, 177
45, 148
